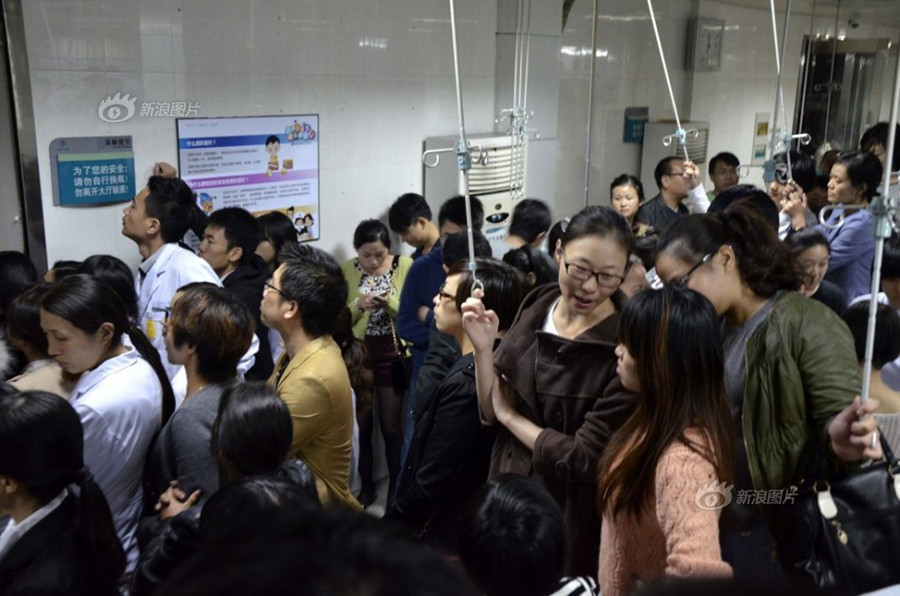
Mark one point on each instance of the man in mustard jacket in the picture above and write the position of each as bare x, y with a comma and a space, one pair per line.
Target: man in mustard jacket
302, 302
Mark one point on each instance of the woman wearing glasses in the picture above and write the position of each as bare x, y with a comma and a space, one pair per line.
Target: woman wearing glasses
551, 385
790, 366
450, 449
375, 278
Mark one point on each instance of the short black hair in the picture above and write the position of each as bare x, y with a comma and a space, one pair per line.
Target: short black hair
313, 279
512, 538
890, 264
171, 201
278, 229
454, 211
503, 290
23, 318
887, 332
371, 230
726, 158
217, 324
241, 229
802, 240
803, 169
762, 204
878, 135
64, 268
750, 197
530, 219
272, 139
406, 210
662, 169
628, 180
456, 247
17, 274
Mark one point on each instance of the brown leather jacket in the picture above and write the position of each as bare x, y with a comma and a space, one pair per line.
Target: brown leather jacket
571, 390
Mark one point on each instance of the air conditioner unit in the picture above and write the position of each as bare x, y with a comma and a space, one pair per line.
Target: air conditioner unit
498, 180
654, 150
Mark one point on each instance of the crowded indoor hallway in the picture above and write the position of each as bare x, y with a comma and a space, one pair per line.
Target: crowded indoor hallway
444, 297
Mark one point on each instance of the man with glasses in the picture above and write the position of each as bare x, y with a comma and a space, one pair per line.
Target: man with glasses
302, 301
678, 181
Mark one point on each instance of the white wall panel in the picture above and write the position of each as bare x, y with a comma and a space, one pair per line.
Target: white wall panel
379, 74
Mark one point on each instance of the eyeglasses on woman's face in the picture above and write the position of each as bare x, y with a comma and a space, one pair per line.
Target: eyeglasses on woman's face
582, 274
683, 282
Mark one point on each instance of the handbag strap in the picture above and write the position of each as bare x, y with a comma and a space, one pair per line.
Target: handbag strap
820, 471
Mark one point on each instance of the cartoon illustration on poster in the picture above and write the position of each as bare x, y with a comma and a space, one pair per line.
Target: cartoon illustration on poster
261, 164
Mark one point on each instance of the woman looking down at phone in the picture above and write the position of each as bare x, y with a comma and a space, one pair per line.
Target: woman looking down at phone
375, 279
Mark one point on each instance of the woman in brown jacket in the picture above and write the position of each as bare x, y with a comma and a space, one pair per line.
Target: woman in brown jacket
552, 383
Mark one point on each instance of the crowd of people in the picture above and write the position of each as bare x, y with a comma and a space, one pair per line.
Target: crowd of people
549, 416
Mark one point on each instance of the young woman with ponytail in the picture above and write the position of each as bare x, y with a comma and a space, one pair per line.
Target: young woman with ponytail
790, 366
122, 397
60, 539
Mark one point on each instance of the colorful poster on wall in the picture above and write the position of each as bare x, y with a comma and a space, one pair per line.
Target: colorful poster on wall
259, 163
92, 170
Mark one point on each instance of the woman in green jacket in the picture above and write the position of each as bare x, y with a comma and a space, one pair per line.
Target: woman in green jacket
790, 367
375, 279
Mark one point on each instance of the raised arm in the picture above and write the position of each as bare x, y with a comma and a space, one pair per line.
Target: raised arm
481, 326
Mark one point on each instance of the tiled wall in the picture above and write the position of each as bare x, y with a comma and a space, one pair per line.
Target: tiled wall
378, 73
629, 74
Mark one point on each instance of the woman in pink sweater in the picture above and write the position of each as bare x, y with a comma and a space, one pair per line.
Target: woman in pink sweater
661, 485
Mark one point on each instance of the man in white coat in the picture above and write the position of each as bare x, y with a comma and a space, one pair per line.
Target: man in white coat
157, 218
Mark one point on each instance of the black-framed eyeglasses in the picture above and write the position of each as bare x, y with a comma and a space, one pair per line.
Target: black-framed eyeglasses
582, 274
682, 283
268, 285
444, 296
166, 312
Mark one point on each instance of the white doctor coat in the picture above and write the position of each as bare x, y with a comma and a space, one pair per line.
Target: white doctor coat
120, 406
175, 267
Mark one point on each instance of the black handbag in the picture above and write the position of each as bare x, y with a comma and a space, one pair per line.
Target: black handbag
843, 531
401, 368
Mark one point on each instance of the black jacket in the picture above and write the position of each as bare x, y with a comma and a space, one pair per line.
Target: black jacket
443, 353
47, 560
246, 284
448, 458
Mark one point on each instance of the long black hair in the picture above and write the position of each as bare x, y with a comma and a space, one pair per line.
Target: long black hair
673, 336
86, 303
41, 447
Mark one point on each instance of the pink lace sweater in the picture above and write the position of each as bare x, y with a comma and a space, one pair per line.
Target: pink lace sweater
675, 537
